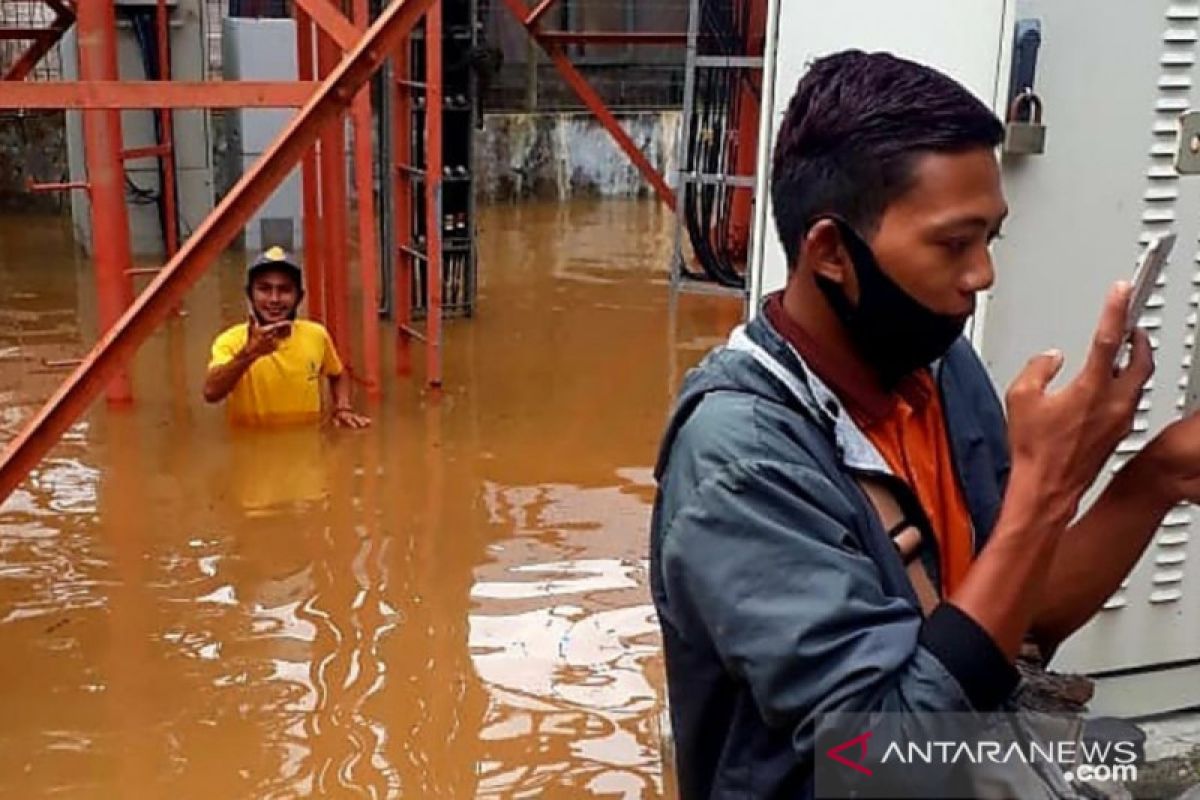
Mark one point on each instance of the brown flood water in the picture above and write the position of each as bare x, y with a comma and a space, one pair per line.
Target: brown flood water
452, 604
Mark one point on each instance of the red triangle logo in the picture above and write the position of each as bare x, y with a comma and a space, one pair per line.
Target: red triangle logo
860, 742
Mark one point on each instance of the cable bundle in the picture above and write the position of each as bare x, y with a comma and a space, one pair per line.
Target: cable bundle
713, 141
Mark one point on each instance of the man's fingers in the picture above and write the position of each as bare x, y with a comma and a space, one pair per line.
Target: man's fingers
1141, 362
1038, 374
351, 420
1110, 332
273, 333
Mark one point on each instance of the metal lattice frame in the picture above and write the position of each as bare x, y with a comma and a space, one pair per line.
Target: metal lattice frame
30, 48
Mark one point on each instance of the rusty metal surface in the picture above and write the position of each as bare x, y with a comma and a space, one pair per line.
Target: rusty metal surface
154, 94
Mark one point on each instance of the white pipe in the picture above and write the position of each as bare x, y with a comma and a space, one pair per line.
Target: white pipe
762, 181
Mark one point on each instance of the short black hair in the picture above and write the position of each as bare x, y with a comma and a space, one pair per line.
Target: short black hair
853, 132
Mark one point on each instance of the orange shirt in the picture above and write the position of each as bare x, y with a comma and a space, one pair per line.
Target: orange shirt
912, 439
907, 428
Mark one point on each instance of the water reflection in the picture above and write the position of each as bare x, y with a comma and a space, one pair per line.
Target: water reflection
568, 647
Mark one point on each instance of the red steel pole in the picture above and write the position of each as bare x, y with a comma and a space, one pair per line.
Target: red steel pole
368, 250
333, 205
314, 275
166, 124
433, 195
106, 175
745, 156
331, 21
169, 286
402, 188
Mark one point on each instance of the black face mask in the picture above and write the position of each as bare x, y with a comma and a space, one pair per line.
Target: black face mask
895, 334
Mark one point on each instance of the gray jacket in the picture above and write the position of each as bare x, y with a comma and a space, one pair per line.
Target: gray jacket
779, 594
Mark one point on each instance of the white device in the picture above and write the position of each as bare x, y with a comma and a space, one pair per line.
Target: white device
1149, 269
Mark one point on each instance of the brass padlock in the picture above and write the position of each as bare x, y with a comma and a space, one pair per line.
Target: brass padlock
1024, 134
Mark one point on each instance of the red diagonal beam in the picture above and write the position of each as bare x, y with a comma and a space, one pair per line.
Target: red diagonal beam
596, 105
155, 304
593, 101
63, 7
156, 94
24, 65
332, 21
538, 12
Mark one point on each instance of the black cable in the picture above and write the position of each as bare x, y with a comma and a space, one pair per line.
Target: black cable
717, 104
713, 162
139, 196
727, 165
144, 27
697, 225
692, 190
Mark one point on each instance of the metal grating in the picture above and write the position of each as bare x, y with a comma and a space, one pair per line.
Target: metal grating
1169, 551
29, 14
214, 15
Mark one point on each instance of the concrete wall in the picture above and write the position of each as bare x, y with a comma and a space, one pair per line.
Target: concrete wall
558, 156
32, 146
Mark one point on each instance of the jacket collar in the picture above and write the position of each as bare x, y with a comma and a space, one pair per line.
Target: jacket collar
768, 348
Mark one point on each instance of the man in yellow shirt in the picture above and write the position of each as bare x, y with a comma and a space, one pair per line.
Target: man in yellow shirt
269, 368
